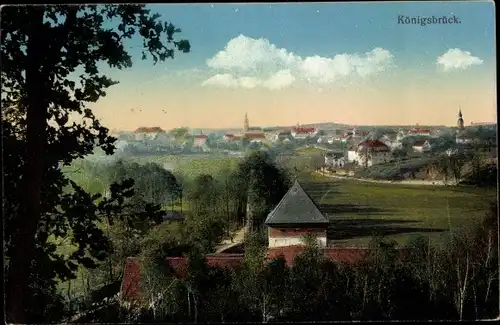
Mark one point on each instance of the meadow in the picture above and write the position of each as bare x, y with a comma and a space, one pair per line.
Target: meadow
191, 165
358, 210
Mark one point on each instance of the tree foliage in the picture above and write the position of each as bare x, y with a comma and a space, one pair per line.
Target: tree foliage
51, 69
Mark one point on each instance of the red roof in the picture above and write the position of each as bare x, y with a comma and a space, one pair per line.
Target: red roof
130, 288
201, 136
255, 135
373, 144
419, 131
302, 130
144, 129
343, 255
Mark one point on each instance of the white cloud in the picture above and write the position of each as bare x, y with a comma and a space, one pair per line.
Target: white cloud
222, 80
280, 80
248, 82
456, 59
276, 68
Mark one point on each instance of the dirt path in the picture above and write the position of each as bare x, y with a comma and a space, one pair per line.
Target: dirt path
238, 237
404, 182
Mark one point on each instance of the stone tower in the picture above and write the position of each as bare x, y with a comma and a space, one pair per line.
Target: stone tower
246, 124
460, 122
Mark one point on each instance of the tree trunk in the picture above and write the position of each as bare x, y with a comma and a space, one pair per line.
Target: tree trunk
23, 241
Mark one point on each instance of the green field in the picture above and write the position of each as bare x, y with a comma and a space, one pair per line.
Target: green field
191, 165
358, 210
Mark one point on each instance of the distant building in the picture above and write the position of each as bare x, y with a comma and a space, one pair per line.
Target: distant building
419, 132
373, 152
460, 121
354, 134
281, 136
334, 159
299, 132
246, 124
144, 132
422, 146
255, 136
352, 154
200, 140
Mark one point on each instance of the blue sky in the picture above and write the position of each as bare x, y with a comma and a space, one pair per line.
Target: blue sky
259, 58
327, 29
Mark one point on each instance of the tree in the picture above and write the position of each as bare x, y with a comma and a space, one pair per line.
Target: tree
42, 48
179, 133
457, 162
261, 184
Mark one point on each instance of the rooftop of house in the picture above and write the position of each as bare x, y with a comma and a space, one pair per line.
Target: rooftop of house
296, 207
302, 130
372, 144
255, 135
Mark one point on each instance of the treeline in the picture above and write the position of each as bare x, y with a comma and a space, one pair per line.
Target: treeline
455, 281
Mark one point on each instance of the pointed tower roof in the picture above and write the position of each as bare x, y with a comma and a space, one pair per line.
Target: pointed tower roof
296, 207
459, 113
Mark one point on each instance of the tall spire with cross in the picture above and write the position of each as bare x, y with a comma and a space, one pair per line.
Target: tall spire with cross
460, 122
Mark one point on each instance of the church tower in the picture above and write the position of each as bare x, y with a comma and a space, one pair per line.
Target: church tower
246, 125
460, 122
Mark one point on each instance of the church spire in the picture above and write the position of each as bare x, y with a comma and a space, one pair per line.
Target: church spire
460, 122
246, 124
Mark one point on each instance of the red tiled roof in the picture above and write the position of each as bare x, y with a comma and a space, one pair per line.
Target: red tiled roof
343, 255
130, 288
255, 135
144, 129
373, 144
302, 130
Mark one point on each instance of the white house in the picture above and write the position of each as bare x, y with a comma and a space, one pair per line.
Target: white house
422, 146
461, 139
373, 152
200, 140
451, 151
352, 154
334, 159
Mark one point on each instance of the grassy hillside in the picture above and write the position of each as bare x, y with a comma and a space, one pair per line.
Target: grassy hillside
358, 210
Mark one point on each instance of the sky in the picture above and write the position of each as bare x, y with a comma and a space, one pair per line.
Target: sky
283, 64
